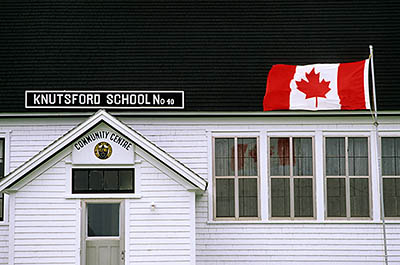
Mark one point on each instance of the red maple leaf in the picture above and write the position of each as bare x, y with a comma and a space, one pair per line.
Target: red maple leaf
313, 88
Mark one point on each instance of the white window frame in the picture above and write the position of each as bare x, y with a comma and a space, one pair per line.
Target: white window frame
291, 177
236, 178
347, 177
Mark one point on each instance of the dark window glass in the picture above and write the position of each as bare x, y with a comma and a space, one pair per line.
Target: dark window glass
111, 181
302, 157
358, 156
225, 197
103, 219
335, 156
391, 199
126, 179
247, 157
359, 197
102, 180
279, 157
280, 197
2, 173
224, 157
81, 180
96, 180
303, 197
248, 198
336, 197
391, 156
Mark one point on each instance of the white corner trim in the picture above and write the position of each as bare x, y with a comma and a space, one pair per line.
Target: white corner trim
192, 228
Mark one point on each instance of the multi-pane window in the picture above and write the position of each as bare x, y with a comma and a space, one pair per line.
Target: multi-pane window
103, 180
2, 173
236, 177
291, 174
391, 175
347, 177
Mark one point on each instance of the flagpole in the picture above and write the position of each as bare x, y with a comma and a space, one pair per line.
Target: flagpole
378, 153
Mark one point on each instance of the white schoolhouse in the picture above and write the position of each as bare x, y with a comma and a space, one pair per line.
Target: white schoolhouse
133, 133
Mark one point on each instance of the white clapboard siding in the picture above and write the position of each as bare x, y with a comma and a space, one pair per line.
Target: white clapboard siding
45, 222
307, 243
3, 244
160, 235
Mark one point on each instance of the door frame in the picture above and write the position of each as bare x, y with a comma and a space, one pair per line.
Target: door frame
84, 220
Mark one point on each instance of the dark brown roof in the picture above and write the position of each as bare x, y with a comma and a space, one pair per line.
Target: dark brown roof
218, 52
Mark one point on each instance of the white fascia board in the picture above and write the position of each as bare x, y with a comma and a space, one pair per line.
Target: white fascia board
101, 116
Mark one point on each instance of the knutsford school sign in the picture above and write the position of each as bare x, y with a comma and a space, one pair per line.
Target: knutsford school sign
105, 99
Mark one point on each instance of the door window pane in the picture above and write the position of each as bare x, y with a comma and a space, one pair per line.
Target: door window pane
336, 197
358, 156
335, 156
280, 197
279, 157
303, 197
248, 199
225, 198
247, 157
359, 197
224, 157
302, 157
391, 199
103, 219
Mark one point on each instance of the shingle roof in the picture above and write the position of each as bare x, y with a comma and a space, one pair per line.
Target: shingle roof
218, 52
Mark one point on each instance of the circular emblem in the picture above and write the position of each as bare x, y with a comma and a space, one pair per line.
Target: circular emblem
103, 150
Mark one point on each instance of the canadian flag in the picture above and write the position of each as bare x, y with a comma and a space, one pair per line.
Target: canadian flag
341, 86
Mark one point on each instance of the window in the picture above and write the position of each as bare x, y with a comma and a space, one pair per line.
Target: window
103, 219
391, 175
236, 178
2, 173
347, 177
291, 173
103, 180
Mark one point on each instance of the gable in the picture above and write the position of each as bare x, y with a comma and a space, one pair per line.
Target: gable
122, 139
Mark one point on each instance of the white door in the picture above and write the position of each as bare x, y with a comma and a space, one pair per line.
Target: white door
104, 234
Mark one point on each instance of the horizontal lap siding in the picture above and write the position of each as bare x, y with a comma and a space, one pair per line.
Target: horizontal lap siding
29, 139
3, 244
292, 243
45, 222
162, 235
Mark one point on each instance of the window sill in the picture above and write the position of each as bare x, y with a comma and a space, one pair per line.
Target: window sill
277, 222
104, 196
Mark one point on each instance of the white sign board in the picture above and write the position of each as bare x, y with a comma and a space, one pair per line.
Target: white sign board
102, 145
